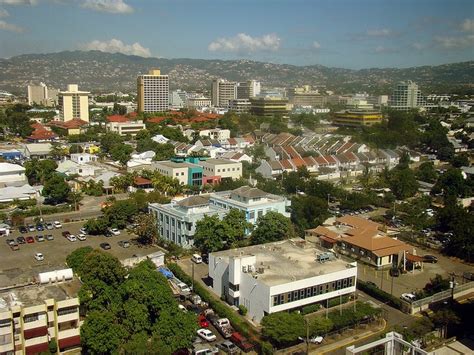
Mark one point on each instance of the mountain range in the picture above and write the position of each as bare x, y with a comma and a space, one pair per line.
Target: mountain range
105, 72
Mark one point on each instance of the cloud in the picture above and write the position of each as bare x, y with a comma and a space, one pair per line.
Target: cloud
18, 2
382, 49
10, 27
245, 43
316, 45
418, 46
468, 25
4, 13
383, 32
454, 42
110, 6
117, 46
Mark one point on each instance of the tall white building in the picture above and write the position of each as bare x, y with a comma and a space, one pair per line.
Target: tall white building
73, 104
406, 96
178, 98
222, 92
248, 89
41, 95
153, 92
280, 276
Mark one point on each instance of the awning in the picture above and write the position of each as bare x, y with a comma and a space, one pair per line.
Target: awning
327, 239
414, 258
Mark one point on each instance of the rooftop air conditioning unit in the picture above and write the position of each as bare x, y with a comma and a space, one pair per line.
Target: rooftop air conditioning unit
244, 268
261, 270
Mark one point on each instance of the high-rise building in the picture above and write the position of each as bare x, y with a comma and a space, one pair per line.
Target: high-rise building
153, 92
222, 92
42, 95
239, 105
198, 102
73, 104
406, 96
248, 89
269, 106
305, 96
178, 98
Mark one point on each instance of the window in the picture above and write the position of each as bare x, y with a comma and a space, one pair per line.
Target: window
177, 174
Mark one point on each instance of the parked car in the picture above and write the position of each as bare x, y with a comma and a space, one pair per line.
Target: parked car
202, 321
31, 228
206, 334
30, 240
71, 238
23, 229
81, 237
57, 224
409, 297
468, 275
394, 272
21, 240
196, 258
105, 246
10, 241
66, 234
115, 231
124, 243
39, 256
49, 226
39, 227
316, 340
83, 230
39, 238
49, 237
242, 342
14, 247
228, 347
430, 259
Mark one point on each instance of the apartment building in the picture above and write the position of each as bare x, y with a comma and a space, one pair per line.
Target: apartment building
186, 173
153, 92
73, 104
221, 167
178, 99
406, 96
357, 118
280, 276
248, 89
305, 96
42, 95
222, 92
124, 128
27, 324
269, 106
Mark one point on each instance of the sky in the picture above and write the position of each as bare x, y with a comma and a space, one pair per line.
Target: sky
336, 33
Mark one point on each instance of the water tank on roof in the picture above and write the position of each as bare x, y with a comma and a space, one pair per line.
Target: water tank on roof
55, 276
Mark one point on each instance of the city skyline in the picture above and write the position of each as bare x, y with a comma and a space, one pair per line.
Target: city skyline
340, 33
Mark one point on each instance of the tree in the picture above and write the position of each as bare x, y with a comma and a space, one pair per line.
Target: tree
308, 211
427, 172
443, 318
103, 267
109, 140
75, 148
452, 184
121, 153
56, 190
53, 346
101, 333
38, 171
283, 328
320, 326
403, 183
135, 316
97, 226
460, 160
293, 182
146, 228
172, 319
236, 225
210, 234
272, 227
120, 213
76, 259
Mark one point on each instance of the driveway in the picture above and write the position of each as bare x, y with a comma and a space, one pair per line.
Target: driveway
18, 267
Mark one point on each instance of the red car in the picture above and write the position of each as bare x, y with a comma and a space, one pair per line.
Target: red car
202, 321
30, 240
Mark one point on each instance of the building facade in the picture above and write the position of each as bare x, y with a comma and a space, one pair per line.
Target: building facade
269, 106
305, 96
12, 174
221, 167
279, 276
239, 106
178, 98
124, 128
186, 173
73, 104
198, 102
248, 89
357, 118
222, 92
153, 92
406, 96
28, 329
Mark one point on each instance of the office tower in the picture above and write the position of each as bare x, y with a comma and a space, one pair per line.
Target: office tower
178, 98
153, 92
269, 106
222, 92
37, 94
406, 96
248, 89
73, 104
305, 96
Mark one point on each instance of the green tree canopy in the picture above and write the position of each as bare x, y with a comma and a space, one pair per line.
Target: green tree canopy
210, 234
75, 260
283, 328
101, 333
272, 227
56, 190
146, 228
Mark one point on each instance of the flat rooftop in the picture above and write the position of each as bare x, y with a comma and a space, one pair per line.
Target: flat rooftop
31, 296
287, 261
218, 161
172, 164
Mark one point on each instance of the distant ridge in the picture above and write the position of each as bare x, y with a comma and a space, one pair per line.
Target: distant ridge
100, 71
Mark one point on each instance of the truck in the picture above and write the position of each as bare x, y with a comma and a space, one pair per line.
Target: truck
224, 327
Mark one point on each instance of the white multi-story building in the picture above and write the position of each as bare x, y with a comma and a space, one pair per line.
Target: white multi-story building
153, 92
280, 276
216, 133
124, 128
83, 158
239, 105
406, 96
248, 89
42, 95
12, 174
186, 173
178, 99
73, 104
222, 92
221, 167
198, 102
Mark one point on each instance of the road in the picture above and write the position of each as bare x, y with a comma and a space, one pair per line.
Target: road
17, 267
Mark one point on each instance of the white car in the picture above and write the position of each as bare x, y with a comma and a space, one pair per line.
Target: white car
39, 256
81, 237
182, 308
83, 231
71, 238
316, 340
409, 297
206, 334
57, 224
115, 231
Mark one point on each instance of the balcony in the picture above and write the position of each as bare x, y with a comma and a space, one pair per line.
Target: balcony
68, 333
7, 347
35, 341
42, 322
69, 317
6, 330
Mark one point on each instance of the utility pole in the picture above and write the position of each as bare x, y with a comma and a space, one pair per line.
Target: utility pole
307, 336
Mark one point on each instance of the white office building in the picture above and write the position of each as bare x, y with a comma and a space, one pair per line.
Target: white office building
221, 167
406, 96
222, 92
125, 128
153, 92
280, 276
248, 89
239, 105
178, 99
198, 102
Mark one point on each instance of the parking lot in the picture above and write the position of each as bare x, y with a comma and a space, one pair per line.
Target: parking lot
17, 267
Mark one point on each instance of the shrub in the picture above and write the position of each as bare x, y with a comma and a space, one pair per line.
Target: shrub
311, 308
243, 310
379, 294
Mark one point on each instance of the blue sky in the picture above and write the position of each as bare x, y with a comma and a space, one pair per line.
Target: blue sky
337, 33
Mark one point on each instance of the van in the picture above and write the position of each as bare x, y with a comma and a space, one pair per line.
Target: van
197, 258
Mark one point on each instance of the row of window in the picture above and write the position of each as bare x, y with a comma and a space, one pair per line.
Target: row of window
308, 292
